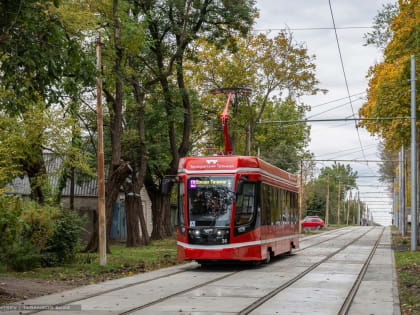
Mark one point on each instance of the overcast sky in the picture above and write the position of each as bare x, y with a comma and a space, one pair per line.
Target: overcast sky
328, 138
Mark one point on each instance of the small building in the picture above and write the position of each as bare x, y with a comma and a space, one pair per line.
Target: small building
85, 199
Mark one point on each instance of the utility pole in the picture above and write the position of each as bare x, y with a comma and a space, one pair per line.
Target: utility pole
414, 224
339, 201
358, 208
394, 202
402, 210
348, 209
328, 201
101, 167
399, 192
301, 195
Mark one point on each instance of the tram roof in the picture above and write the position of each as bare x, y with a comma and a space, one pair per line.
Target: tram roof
232, 164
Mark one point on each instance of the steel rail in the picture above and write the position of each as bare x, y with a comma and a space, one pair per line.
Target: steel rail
276, 291
171, 274
345, 308
212, 281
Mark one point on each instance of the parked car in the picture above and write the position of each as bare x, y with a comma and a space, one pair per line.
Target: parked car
312, 222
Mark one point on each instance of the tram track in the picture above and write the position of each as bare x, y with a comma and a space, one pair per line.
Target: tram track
233, 273
93, 295
287, 284
345, 308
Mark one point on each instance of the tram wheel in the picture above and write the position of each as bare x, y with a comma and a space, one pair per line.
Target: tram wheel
204, 263
268, 258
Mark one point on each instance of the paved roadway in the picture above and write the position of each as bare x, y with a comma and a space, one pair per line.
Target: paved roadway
345, 271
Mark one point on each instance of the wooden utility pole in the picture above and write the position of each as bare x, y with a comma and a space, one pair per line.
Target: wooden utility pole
339, 201
301, 196
348, 209
328, 201
101, 167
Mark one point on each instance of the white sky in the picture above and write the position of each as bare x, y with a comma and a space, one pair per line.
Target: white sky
331, 137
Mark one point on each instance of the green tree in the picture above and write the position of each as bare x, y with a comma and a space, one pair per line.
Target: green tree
278, 71
41, 66
340, 175
389, 80
172, 27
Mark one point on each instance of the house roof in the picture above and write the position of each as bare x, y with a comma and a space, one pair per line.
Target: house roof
21, 186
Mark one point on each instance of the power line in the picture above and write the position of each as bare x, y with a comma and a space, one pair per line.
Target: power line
355, 161
345, 77
331, 109
336, 100
328, 120
311, 28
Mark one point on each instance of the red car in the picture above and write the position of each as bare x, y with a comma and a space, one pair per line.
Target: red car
312, 222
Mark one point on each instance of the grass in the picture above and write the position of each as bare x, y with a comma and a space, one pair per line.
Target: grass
121, 262
408, 270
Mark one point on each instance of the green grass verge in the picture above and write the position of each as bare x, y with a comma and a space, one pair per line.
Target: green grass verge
121, 262
408, 267
408, 270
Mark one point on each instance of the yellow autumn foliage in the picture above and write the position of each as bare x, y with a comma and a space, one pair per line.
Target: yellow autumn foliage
389, 81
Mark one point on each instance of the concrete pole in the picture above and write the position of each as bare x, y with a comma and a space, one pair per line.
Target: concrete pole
394, 202
339, 201
399, 192
358, 208
367, 215
328, 202
414, 224
301, 196
101, 166
403, 223
348, 209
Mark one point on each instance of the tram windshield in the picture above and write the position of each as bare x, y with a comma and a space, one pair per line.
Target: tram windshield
210, 200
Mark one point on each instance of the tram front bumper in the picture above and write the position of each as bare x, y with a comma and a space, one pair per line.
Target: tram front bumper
210, 252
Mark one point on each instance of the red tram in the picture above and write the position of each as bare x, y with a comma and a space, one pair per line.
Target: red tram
235, 208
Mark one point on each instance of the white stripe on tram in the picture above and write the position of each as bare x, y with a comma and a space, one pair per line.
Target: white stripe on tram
236, 245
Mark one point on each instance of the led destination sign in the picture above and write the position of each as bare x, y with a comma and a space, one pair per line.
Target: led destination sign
204, 182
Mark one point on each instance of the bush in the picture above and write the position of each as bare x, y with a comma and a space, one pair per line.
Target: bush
40, 223
62, 246
32, 235
11, 224
22, 257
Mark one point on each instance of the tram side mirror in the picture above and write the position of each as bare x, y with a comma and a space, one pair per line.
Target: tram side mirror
167, 184
239, 187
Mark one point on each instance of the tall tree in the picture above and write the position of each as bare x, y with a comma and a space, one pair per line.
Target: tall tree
172, 26
389, 85
40, 65
278, 71
317, 188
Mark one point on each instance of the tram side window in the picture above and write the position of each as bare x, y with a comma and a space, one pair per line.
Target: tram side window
282, 206
295, 207
245, 205
286, 208
181, 204
265, 205
275, 211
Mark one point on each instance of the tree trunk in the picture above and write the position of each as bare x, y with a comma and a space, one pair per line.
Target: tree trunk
36, 171
247, 140
132, 220
143, 224
116, 179
160, 210
72, 183
118, 170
